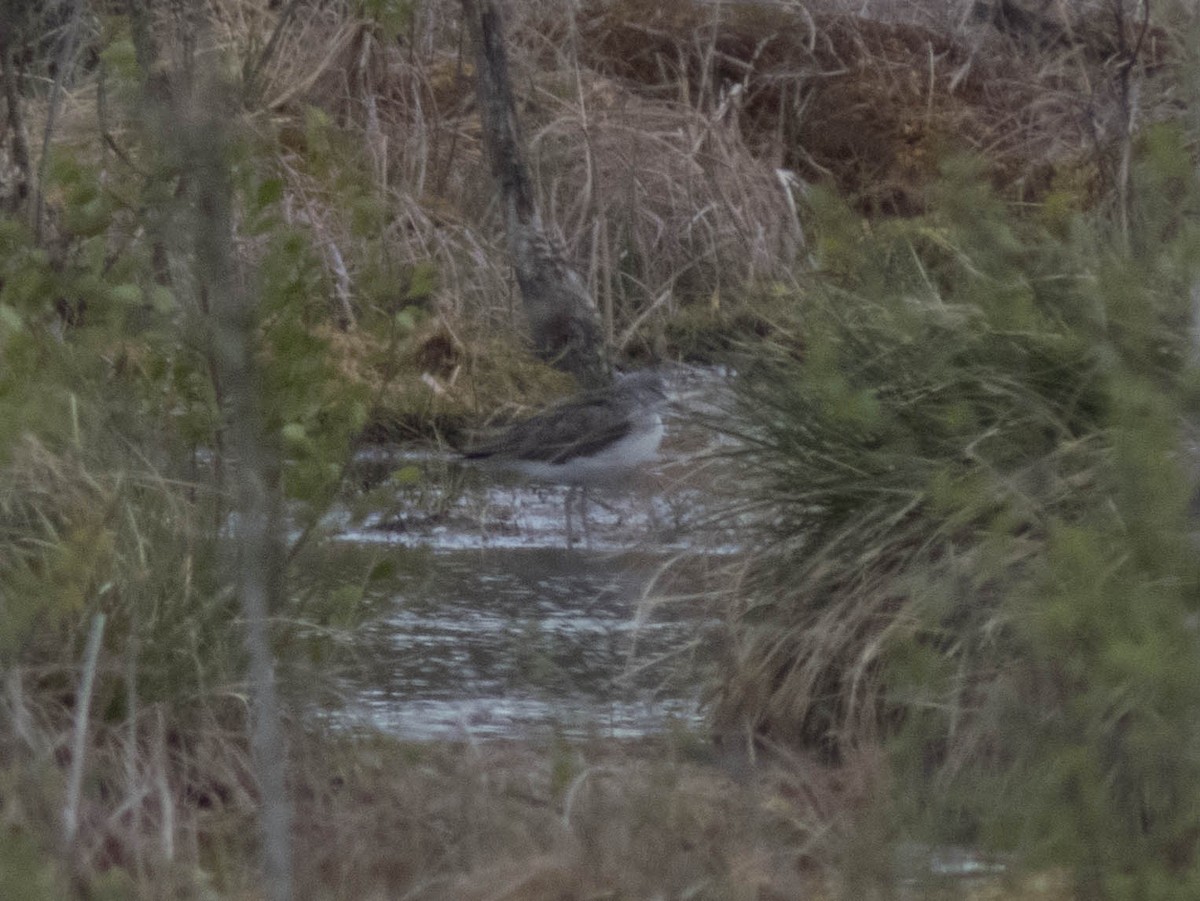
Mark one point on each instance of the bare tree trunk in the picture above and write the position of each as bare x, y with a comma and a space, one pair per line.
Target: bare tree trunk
65, 67
256, 542
15, 124
563, 321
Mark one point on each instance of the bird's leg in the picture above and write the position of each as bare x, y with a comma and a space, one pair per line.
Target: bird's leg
656, 526
610, 508
587, 531
567, 515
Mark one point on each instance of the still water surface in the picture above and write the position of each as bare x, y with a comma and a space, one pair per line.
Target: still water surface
508, 642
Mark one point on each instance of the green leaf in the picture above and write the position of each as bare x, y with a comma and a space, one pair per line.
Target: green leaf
295, 435
162, 300
404, 322
269, 193
383, 571
406, 475
10, 320
422, 281
121, 58
126, 295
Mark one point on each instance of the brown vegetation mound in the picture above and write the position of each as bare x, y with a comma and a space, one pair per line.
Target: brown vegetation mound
872, 105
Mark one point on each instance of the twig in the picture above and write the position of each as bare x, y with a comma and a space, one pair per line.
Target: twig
253, 71
563, 321
22, 723
65, 60
135, 794
341, 283
346, 37
343, 286
1130, 94
576, 786
83, 704
166, 808
257, 551
645, 314
145, 48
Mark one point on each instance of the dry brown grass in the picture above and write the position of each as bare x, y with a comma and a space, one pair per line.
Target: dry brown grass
655, 198
511, 821
171, 813
169, 810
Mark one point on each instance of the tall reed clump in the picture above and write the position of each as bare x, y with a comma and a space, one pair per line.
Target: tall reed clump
970, 475
119, 641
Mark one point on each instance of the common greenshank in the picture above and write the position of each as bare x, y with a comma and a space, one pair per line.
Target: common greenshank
596, 438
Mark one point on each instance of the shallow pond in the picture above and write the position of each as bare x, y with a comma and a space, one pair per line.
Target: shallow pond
492, 626
502, 642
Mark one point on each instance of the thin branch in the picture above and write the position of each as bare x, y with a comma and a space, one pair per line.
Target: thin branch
255, 69
1130, 98
256, 548
12, 102
199, 127
65, 64
83, 704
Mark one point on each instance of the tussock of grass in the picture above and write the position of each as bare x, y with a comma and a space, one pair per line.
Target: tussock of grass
164, 732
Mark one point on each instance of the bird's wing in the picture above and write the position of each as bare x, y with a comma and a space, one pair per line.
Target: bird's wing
578, 428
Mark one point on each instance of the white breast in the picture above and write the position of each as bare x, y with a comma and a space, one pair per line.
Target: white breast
609, 464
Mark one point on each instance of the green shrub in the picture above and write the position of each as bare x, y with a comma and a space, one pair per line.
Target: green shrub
972, 537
